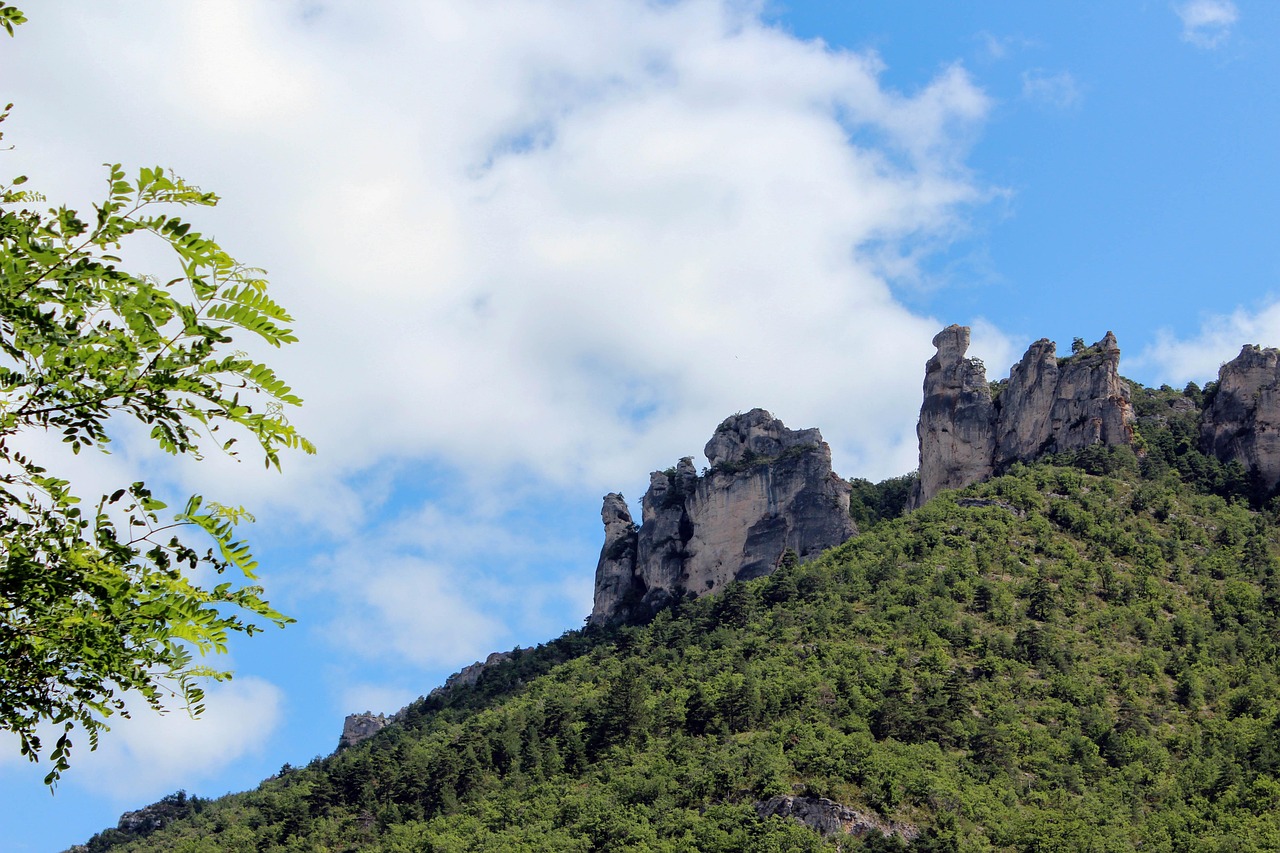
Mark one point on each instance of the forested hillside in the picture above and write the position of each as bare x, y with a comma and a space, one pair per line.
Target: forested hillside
1078, 655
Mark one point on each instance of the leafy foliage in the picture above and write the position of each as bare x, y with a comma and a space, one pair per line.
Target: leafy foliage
98, 601
1065, 662
871, 503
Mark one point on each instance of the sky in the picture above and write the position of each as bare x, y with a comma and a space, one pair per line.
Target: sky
536, 249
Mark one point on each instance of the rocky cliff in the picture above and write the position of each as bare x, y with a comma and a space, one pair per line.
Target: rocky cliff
1047, 405
359, 727
1242, 420
957, 428
768, 490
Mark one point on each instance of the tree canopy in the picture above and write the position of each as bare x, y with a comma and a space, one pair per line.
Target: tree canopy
99, 599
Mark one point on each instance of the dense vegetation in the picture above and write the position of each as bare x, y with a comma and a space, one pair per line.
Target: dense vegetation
1053, 660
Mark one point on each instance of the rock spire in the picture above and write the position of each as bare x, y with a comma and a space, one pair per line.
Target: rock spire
769, 489
1242, 421
1047, 405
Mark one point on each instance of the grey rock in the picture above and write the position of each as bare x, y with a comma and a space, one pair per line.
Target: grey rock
361, 727
469, 675
615, 572
957, 419
1053, 406
769, 489
828, 817
981, 503
1047, 405
1242, 423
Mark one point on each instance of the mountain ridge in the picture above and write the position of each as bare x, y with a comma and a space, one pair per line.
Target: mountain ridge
1078, 653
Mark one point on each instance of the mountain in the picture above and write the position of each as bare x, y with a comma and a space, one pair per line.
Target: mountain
1080, 653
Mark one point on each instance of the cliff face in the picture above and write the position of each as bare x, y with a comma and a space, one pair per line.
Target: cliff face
1051, 405
957, 419
1047, 405
359, 727
1243, 421
769, 489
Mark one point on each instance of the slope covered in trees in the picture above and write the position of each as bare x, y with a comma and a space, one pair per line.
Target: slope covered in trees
1071, 656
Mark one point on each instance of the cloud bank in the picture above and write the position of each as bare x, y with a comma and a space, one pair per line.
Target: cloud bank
550, 236
1196, 358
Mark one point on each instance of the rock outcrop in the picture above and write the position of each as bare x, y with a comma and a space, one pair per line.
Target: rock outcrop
470, 674
828, 817
768, 490
1242, 422
1052, 406
359, 727
1047, 405
957, 428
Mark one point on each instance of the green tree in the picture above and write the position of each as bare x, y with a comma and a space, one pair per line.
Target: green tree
98, 600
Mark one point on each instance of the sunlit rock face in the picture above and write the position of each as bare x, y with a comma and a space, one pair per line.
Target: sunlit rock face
957, 426
768, 490
1053, 405
361, 727
1242, 423
1047, 405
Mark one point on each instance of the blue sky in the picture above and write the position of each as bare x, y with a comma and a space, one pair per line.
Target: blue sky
539, 249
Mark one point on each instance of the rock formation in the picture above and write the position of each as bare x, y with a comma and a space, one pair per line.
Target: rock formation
1046, 405
957, 428
1242, 422
828, 817
358, 727
1055, 406
470, 674
768, 490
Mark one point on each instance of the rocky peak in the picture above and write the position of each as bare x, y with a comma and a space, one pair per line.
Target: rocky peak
1242, 422
615, 571
957, 419
361, 727
1046, 405
757, 435
769, 489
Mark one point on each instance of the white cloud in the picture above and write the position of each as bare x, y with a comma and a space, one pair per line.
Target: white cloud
1057, 89
397, 607
1207, 23
1177, 361
376, 698
147, 754
564, 236
995, 48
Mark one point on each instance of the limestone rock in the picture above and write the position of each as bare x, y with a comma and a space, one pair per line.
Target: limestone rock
1057, 406
755, 435
769, 489
828, 817
1046, 405
1025, 419
469, 675
1243, 421
359, 727
957, 419
615, 572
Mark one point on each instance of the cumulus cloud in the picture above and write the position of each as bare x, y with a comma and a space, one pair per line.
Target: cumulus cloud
1053, 89
147, 754
408, 609
566, 236
1207, 23
1176, 361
